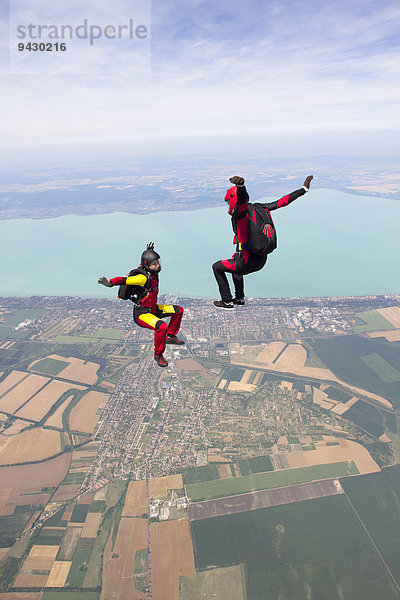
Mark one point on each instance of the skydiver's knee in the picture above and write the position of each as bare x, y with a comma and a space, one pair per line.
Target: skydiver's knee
161, 326
216, 266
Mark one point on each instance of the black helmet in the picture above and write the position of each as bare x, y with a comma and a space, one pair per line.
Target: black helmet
149, 255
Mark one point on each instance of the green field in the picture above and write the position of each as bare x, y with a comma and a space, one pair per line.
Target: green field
257, 464
50, 537
85, 339
97, 506
74, 478
367, 417
79, 513
373, 321
383, 369
376, 498
196, 474
264, 481
80, 562
111, 334
311, 550
71, 596
338, 395
11, 526
343, 355
228, 582
50, 366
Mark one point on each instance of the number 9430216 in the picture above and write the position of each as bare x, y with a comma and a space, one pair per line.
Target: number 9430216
42, 47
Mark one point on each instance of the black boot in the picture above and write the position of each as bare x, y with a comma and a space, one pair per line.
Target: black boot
160, 360
222, 304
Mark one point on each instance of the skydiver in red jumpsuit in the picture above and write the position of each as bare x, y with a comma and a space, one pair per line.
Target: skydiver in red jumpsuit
243, 262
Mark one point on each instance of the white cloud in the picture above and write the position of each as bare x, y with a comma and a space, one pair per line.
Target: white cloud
254, 67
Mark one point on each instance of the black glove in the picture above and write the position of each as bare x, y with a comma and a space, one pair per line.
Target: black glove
307, 181
105, 281
237, 180
150, 246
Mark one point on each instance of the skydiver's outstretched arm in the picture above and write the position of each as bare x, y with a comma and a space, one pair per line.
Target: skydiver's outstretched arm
285, 200
130, 280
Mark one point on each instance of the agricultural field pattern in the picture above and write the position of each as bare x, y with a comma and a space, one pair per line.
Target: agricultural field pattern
262, 464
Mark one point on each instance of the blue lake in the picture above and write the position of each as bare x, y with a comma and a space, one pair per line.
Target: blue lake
329, 244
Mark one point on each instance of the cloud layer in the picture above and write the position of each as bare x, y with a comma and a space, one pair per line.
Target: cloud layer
253, 67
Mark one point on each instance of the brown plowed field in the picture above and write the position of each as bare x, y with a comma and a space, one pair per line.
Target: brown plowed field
189, 364
392, 335
31, 445
78, 370
293, 360
65, 492
118, 579
30, 478
262, 499
69, 543
21, 596
84, 415
92, 525
135, 500
16, 397
344, 451
59, 573
224, 472
391, 314
36, 408
11, 379
25, 580
171, 556
56, 418
160, 485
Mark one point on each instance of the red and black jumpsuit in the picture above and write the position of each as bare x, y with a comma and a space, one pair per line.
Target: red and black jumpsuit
242, 262
149, 314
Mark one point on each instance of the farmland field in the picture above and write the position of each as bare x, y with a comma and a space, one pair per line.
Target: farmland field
262, 481
304, 550
376, 498
228, 582
42, 402
50, 366
118, 564
258, 464
172, 557
18, 395
195, 474
366, 416
84, 415
373, 321
262, 499
344, 354
31, 445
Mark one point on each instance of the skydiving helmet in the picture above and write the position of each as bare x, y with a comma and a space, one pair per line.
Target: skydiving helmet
231, 197
149, 256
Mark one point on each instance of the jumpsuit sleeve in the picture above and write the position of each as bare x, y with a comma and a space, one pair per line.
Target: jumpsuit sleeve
285, 200
242, 201
132, 280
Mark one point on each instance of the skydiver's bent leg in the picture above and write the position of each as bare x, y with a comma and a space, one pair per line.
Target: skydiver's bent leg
219, 269
150, 321
176, 313
238, 267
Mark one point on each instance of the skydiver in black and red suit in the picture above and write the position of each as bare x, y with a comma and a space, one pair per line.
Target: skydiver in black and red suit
243, 262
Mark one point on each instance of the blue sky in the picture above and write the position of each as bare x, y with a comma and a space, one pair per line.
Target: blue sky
257, 67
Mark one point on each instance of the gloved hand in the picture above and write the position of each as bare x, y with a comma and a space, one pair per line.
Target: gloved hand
150, 246
105, 281
237, 180
307, 181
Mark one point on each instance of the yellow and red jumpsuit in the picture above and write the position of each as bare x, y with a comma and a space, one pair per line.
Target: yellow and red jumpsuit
149, 314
